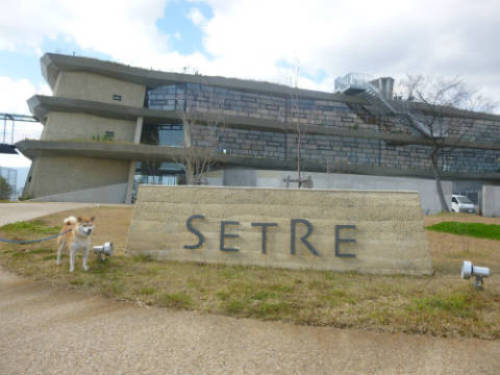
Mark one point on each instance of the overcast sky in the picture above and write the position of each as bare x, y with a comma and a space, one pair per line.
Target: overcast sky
258, 39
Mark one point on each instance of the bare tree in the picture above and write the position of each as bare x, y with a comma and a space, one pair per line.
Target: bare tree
296, 117
198, 161
151, 167
300, 130
437, 96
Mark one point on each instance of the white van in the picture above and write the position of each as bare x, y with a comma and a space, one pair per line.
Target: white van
460, 203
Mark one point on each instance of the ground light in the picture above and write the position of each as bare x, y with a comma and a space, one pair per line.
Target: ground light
468, 270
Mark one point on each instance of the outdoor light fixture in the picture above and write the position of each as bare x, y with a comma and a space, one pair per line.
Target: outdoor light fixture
106, 249
468, 270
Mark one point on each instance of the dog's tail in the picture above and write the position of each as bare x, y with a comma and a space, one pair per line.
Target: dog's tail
71, 220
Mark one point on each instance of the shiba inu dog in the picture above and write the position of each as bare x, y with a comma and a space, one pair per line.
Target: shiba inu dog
77, 238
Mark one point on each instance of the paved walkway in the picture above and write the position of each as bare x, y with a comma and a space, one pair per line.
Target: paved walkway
45, 330
11, 212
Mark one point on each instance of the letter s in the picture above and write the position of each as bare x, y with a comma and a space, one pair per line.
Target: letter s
195, 231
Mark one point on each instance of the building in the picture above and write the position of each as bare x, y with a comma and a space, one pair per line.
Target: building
110, 126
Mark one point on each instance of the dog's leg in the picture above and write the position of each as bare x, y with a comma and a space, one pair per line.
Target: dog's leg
85, 256
72, 253
60, 246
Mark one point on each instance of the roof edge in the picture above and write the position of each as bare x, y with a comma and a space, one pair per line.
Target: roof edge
53, 63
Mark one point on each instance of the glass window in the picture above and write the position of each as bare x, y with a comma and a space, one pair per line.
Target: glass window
158, 173
167, 98
163, 134
464, 200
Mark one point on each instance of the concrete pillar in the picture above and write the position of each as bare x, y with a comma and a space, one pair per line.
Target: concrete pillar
138, 130
490, 203
133, 163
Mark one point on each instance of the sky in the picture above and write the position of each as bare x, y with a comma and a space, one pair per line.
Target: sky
256, 39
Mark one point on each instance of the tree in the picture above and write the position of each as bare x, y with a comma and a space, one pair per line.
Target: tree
151, 168
299, 127
5, 189
436, 97
198, 161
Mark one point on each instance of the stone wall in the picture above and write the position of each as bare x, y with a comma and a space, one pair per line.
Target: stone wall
373, 232
335, 153
205, 99
329, 150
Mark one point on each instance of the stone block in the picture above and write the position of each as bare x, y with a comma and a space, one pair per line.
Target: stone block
380, 232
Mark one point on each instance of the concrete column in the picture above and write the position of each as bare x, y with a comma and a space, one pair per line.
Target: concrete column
138, 130
490, 202
133, 163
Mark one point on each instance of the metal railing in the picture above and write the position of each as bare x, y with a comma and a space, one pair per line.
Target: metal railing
13, 117
359, 84
358, 81
16, 129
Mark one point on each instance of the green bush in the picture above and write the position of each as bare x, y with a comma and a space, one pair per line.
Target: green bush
5, 189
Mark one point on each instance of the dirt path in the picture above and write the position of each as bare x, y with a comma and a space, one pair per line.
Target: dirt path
45, 330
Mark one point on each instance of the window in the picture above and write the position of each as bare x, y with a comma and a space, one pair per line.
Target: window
464, 200
166, 98
109, 135
158, 173
163, 134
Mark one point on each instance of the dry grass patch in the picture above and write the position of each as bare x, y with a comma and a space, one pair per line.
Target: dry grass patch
460, 217
440, 305
448, 251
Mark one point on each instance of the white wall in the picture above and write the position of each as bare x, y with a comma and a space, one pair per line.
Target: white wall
269, 178
490, 205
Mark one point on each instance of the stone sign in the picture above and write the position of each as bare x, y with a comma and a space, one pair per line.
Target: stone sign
365, 231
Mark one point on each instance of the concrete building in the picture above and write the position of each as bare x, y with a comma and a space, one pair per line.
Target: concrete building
110, 126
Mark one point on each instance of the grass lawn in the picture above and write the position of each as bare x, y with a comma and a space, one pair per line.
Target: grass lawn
479, 230
442, 304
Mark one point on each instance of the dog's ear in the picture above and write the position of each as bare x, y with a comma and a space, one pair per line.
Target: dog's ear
92, 218
79, 218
